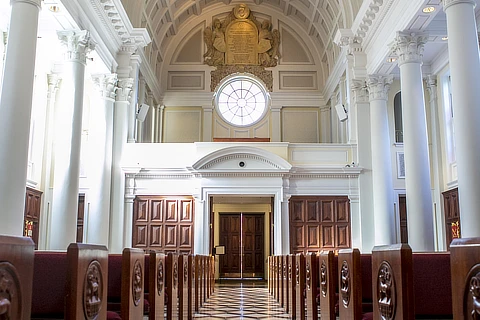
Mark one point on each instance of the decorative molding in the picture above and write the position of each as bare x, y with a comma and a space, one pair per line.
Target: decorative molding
378, 86
223, 71
360, 93
124, 89
78, 44
409, 46
106, 84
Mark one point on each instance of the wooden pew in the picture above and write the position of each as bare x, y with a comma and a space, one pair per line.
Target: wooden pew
269, 273
16, 275
183, 298
286, 298
87, 276
198, 283
392, 273
465, 270
292, 285
327, 279
133, 272
156, 296
311, 285
350, 284
172, 286
300, 286
275, 278
281, 297
191, 285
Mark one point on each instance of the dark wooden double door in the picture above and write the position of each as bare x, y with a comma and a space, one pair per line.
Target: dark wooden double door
243, 238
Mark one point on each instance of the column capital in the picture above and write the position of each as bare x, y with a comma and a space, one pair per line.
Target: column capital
431, 84
359, 88
78, 44
409, 46
32, 2
378, 86
208, 108
124, 89
276, 108
448, 3
106, 84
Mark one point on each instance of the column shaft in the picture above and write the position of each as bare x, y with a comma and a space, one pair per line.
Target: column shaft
465, 75
381, 161
409, 48
132, 110
16, 109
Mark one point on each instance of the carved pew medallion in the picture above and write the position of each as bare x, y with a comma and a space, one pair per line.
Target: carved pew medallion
93, 290
10, 292
386, 291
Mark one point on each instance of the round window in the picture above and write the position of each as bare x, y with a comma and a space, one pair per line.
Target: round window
241, 101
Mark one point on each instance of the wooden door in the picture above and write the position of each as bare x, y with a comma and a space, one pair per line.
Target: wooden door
32, 214
253, 244
452, 215
243, 238
230, 237
402, 208
80, 217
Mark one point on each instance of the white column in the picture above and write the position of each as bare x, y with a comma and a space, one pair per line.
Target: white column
465, 75
409, 48
383, 209
149, 124
364, 158
335, 122
356, 222
68, 135
437, 171
46, 176
16, 109
120, 131
132, 110
276, 112
128, 211
142, 87
160, 124
199, 227
207, 123
100, 166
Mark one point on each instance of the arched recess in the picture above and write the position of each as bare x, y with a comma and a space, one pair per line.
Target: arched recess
246, 171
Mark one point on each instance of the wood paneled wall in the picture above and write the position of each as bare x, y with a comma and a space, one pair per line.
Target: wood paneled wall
319, 222
163, 223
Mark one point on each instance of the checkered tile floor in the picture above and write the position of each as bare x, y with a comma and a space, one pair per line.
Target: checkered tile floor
241, 302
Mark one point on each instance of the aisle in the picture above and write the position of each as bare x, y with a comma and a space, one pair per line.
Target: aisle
241, 302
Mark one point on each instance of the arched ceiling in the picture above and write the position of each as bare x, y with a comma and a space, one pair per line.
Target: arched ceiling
320, 19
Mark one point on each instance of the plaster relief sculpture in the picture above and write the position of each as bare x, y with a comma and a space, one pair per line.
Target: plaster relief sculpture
345, 284
92, 290
386, 291
240, 39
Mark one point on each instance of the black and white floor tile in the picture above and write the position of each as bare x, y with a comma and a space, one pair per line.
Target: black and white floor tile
241, 302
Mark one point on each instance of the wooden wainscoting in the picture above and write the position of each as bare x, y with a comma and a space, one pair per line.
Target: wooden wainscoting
319, 222
163, 223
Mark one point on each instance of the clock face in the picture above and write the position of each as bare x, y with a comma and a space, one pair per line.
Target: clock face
241, 101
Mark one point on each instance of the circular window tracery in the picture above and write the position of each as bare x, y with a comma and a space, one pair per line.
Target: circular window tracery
241, 101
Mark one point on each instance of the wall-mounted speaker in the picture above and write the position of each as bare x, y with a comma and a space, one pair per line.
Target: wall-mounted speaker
341, 112
142, 112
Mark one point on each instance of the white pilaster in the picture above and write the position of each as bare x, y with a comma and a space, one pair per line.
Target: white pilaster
383, 209
128, 210
207, 123
325, 124
431, 82
364, 158
356, 223
276, 113
16, 109
409, 48
120, 132
142, 87
160, 124
68, 134
465, 75
199, 227
135, 62
285, 224
100, 166
149, 124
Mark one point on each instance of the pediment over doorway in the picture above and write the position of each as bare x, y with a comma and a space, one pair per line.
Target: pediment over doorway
242, 159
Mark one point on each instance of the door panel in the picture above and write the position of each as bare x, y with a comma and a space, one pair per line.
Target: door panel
230, 238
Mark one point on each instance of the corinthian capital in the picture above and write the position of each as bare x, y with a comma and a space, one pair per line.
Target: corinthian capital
359, 89
78, 44
409, 46
124, 89
106, 84
378, 86
448, 3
